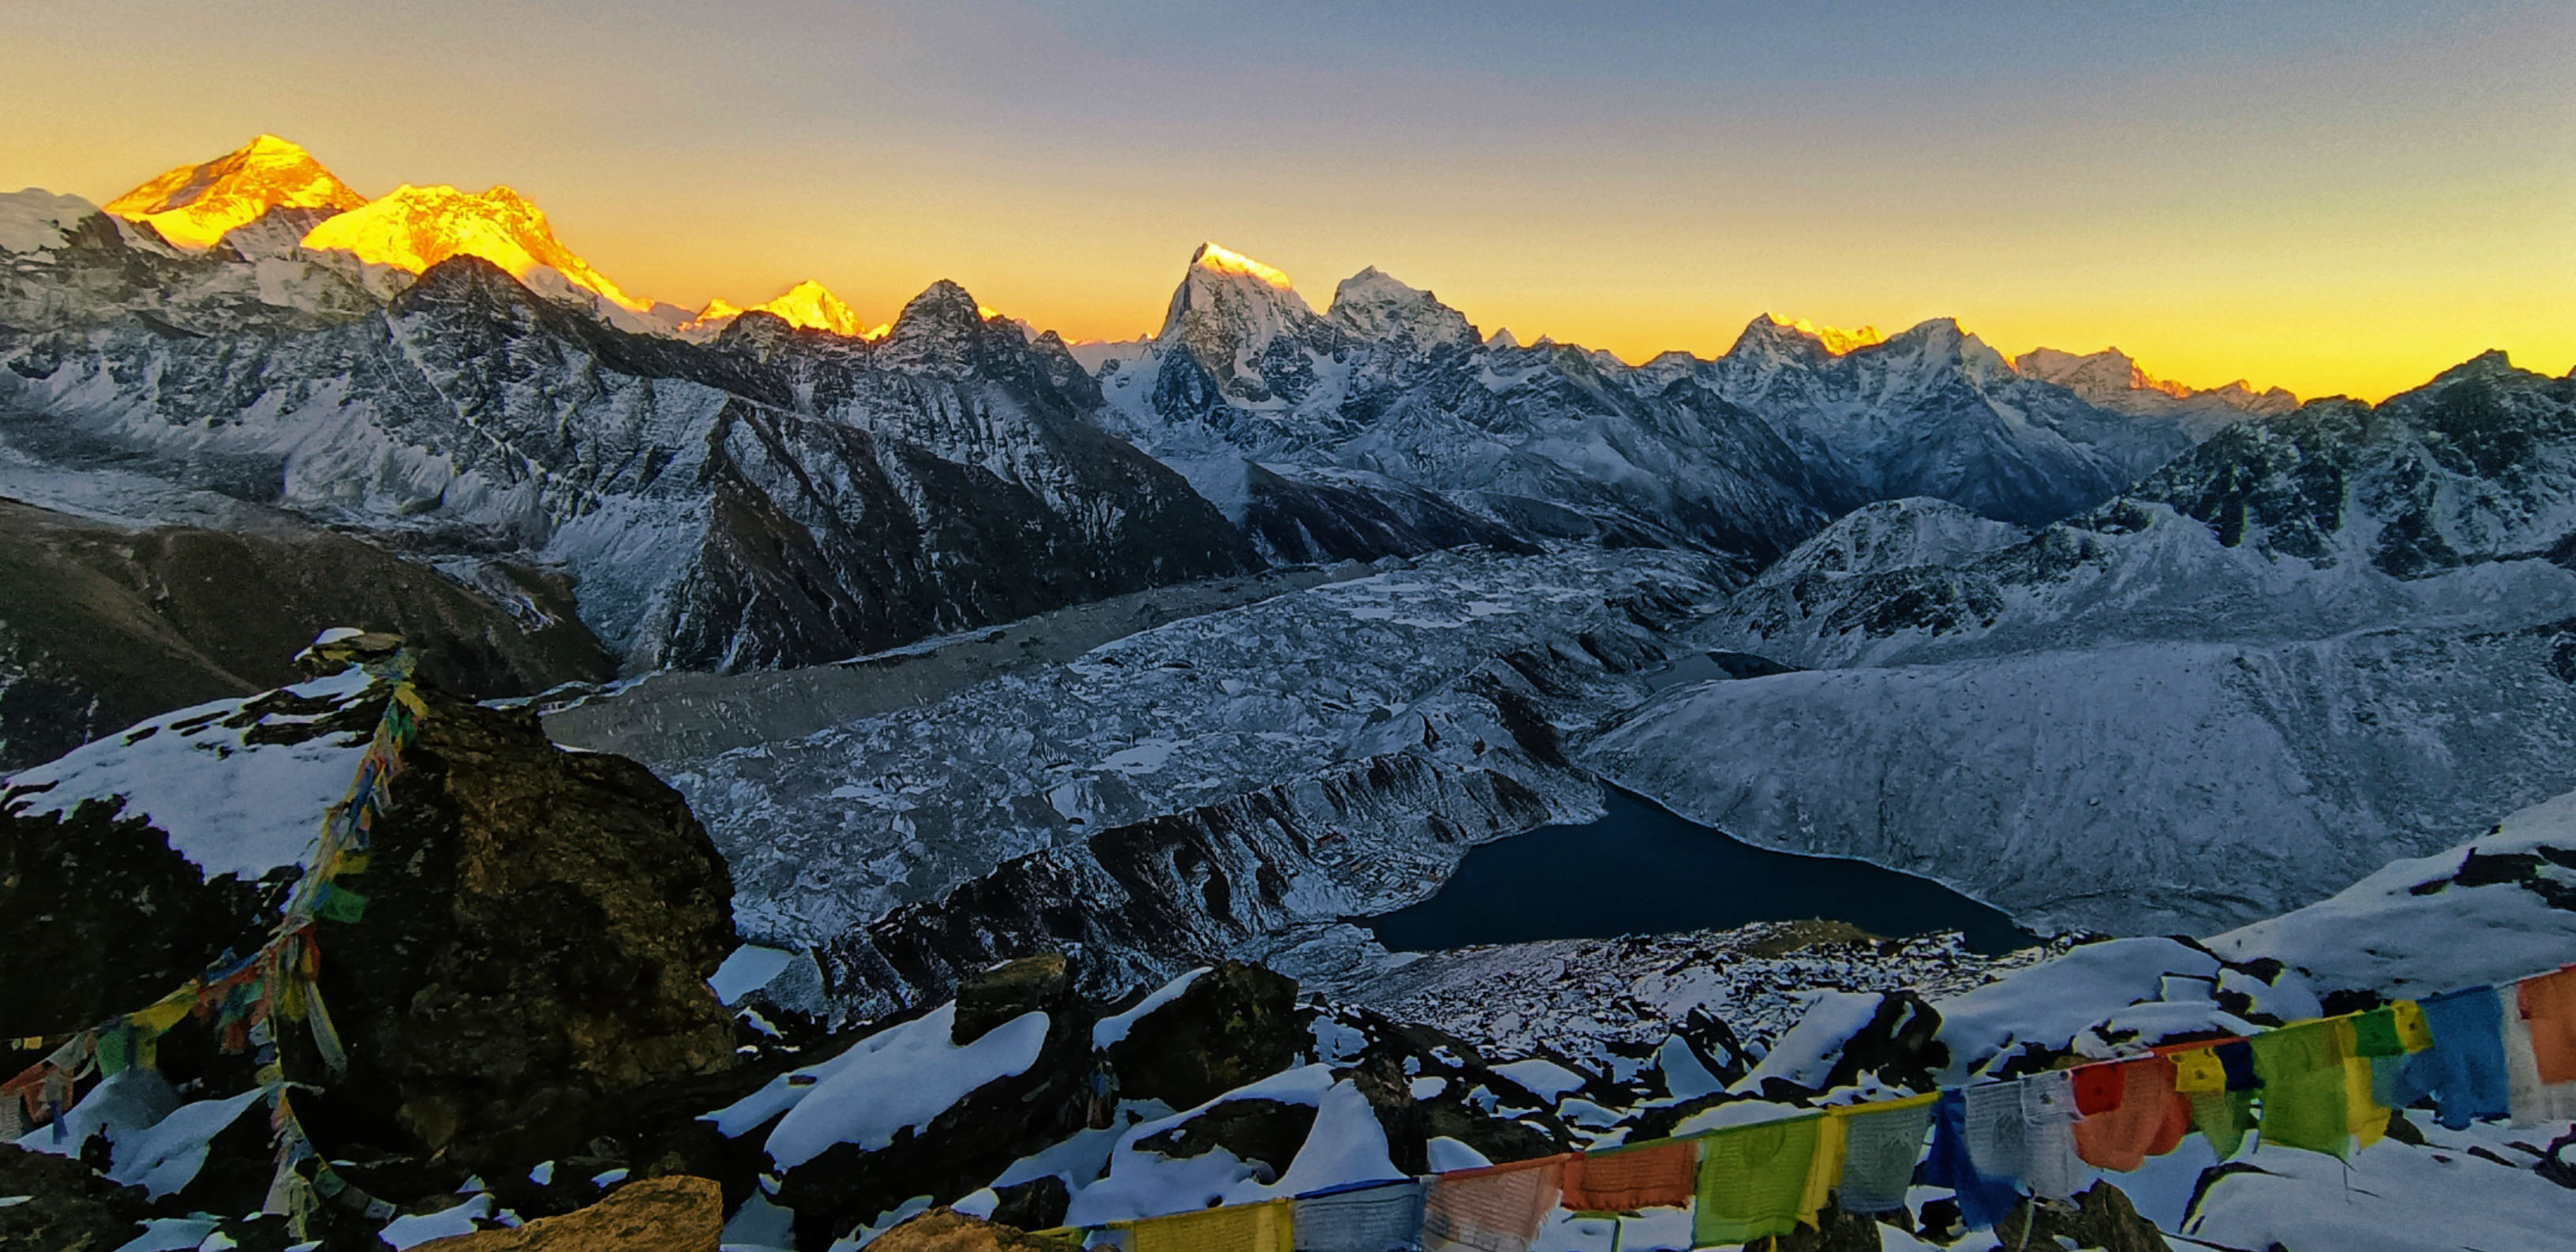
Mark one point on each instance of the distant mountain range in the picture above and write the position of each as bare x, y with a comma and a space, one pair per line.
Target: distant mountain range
781, 484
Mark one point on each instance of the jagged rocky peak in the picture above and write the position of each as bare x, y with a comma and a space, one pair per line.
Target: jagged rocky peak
413, 228
195, 206
808, 305
2114, 379
1373, 304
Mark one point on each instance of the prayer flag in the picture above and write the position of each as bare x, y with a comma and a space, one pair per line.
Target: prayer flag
2465, 1069
1370, 1217
1984, 1199
2149, 1119
1881, 1143
2051, 1167
2098, 1088
1498, 1208
1623, 1180
2222, 1117
1264, 1227
2548, 1004
2198, 1070
1753, 1179
2532, 1100
2304, 1105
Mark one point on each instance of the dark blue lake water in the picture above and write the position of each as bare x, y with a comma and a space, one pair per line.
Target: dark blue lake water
1643, 870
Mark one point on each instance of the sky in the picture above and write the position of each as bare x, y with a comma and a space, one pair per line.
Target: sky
2332, 197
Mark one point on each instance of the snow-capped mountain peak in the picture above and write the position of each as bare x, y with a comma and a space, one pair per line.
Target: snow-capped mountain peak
1228, 312
1374, 305
194, 206
809, 305
413, 228
1220, 260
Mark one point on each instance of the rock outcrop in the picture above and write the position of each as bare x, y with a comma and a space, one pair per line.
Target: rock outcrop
674, 1214
535, 951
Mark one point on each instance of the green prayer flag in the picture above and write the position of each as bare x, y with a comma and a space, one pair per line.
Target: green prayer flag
1752, 1180
115, 1049
341, 904
2375, 1034
2304, 1103
2222, 1117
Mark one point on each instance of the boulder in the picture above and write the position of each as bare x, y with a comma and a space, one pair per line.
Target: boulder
1233, 1024
941, 1230
675, 1214
70, 1209
2101, 1218
533, 956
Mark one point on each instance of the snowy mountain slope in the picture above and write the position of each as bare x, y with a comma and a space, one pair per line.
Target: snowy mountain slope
65, 264
722, 506
1328, 751
2499, 907
2139, 788
2299, 650
1935, 412
1546, 440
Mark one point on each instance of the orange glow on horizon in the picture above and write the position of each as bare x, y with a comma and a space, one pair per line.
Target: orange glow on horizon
2368, 340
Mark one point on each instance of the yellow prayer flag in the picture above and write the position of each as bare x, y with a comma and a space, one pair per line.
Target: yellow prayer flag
1824, 1169
1260, 1227
168, 1012
2198, 1070
2413, 1031
2367, 1117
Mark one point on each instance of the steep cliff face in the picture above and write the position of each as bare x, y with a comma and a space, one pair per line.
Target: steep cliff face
771, 499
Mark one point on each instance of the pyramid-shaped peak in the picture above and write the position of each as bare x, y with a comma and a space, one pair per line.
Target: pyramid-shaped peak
1218, 259
195, 206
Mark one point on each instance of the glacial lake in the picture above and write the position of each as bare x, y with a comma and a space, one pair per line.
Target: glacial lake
1641, 869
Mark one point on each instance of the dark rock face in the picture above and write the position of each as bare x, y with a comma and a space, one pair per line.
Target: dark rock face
1233, 1024
2462, 470
81, 955
2101, 1217
73, 1209
534, 955
1311, 519
102, 626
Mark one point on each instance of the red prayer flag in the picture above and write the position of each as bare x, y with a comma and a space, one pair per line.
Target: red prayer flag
1655, 1176
2150, 1118
2097, 1088
2549, 1005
